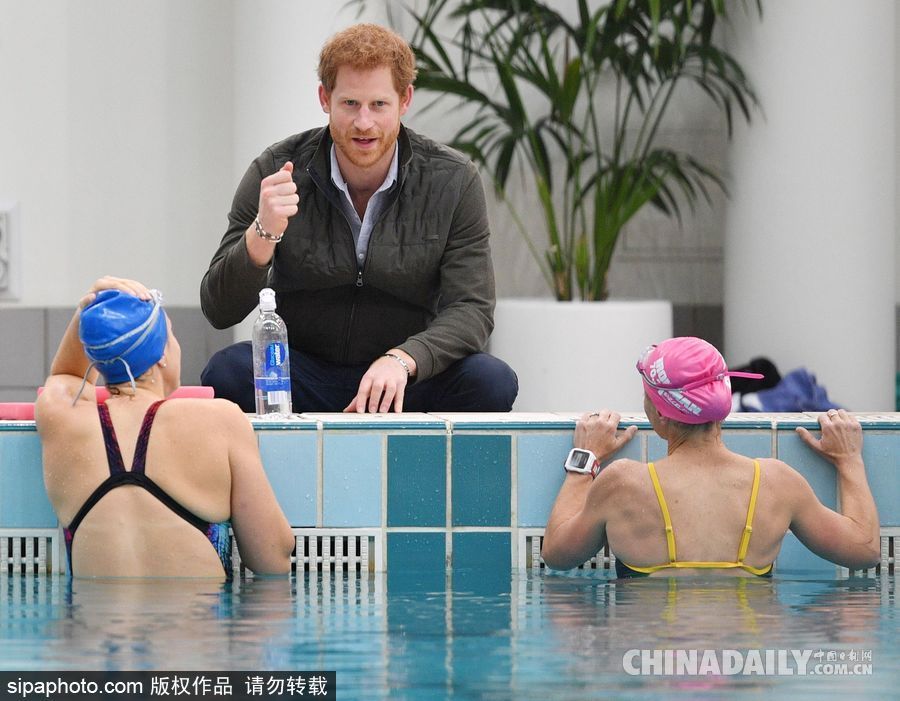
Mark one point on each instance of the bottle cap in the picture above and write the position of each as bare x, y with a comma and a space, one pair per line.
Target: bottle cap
267, 299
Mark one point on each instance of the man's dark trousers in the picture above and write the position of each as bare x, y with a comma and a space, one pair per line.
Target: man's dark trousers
478, 382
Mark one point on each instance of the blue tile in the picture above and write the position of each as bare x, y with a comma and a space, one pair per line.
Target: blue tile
406, 580
23, 499
633, 450
796, 557
818, 472
539, 460
657, 448
482, 480
417, 481
290, 459
753, 444
416, 552
291, 423
351, 481
482, 566
881, 452
409, 422
820, 475
416, 616
746, 441
482, 551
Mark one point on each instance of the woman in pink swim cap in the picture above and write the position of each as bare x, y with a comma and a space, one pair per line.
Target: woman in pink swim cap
703, 507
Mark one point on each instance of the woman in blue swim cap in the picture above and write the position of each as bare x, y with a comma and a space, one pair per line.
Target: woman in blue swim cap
125, 335
152, 488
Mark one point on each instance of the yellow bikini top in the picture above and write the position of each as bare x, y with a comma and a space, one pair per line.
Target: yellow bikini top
670, 535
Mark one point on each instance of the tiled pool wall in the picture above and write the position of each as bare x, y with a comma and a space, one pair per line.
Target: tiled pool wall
459, 490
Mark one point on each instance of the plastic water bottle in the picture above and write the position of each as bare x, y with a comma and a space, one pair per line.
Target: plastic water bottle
271, 364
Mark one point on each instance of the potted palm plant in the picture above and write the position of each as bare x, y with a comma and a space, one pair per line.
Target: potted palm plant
574, 94
533, 77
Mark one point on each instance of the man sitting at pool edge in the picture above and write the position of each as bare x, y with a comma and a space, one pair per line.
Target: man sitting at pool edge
704, 507
376, 242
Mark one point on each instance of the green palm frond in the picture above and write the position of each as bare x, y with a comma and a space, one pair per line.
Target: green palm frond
531, 72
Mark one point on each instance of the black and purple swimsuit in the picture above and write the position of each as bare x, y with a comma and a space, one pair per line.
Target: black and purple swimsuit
217, 533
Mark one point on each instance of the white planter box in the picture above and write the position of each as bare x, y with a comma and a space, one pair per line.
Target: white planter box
577, 356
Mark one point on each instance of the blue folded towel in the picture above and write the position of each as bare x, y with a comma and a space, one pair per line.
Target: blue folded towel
797, 391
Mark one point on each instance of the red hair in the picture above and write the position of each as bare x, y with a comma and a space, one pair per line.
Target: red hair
365, 47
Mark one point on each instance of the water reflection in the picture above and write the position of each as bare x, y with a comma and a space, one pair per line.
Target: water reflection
450, 634
469, 634
164, 624
598, 621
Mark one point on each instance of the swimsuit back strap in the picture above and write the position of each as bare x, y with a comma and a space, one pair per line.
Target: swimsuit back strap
670, 533
147, 483
113, 454
748, 527
687, 564
650, 569
141, 480
140, 449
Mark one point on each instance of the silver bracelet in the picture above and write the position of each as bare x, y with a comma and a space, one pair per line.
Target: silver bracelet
263, 234
399, 360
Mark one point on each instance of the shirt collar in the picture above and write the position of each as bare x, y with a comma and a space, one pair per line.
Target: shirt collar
338, 178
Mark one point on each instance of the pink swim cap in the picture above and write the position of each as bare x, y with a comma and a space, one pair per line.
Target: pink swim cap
687, 380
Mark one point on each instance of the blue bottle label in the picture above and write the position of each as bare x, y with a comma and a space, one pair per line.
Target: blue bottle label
274, 384
277, 378
276, 356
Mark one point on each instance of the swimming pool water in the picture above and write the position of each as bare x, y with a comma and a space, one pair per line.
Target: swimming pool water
463, 635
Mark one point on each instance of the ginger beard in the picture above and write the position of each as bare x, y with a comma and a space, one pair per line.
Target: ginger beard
364, 150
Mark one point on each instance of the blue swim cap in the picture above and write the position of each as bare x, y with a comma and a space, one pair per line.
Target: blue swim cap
123, 335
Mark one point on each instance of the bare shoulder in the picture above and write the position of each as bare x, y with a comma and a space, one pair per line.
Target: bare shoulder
780, 476
221, 408
776, 469
56, 407
620, 474
215, 415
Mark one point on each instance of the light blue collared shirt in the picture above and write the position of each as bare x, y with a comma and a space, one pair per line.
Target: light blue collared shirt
362, 230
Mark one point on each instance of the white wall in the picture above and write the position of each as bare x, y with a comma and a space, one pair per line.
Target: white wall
125, 126
115, 142
276, 51
810, 235
34, 75
897, 164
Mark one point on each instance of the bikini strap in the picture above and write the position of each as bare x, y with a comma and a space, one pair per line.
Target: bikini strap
748, 527
670, 533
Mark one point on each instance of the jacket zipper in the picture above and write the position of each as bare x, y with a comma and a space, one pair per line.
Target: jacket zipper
359, 268
359, 276
359, 284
